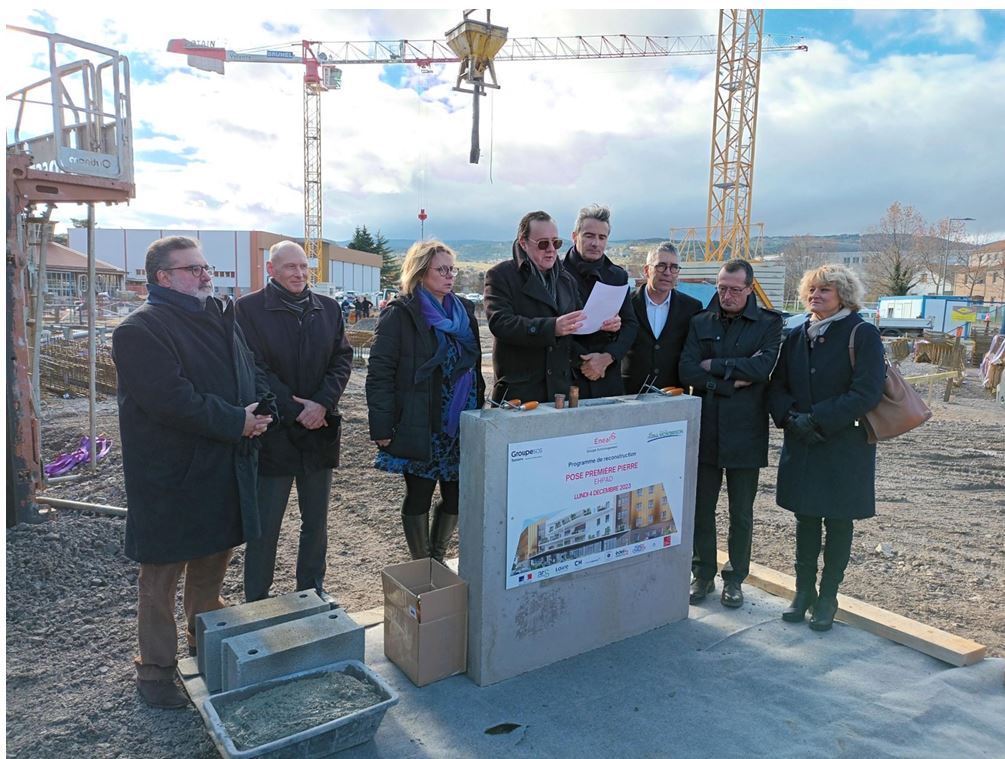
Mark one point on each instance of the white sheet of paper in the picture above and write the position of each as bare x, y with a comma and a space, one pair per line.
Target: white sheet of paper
604, 302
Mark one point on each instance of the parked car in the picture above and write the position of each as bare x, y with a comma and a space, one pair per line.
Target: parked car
795, 321
474, 297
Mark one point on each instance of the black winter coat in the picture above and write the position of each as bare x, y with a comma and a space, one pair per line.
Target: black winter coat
399, 408
530, 363
835, 478
617, 344
185, 375
734, 421
660, 355
311, 359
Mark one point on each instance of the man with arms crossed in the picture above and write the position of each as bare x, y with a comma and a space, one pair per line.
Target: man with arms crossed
728, 357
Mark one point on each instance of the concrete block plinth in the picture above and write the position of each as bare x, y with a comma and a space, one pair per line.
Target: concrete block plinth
290, 647
592, 545
214, 627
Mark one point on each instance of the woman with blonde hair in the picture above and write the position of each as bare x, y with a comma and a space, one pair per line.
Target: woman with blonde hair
818, 395
424, 370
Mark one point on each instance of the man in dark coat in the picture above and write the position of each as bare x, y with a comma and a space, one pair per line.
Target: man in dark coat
533, 309
663, 315
730, 351
599, 370
187, 392
298, 338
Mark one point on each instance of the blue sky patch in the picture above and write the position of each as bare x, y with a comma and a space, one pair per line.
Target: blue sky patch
168, 157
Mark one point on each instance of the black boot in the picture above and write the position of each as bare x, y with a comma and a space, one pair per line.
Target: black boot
801, 602
440, 533
807, 552
416, 534
823, 613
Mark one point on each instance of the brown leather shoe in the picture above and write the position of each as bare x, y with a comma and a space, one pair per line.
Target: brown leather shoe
161, 694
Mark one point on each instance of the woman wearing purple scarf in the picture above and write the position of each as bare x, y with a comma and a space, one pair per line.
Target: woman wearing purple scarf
424, 370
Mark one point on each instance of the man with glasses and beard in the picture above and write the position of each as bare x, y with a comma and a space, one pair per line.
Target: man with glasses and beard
663, 315
728, 357
188, 393
599, 370
534, 310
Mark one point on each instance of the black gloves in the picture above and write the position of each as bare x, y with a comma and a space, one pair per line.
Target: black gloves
804, 428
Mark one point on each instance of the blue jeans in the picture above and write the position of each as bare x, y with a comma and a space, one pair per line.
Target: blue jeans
313, 493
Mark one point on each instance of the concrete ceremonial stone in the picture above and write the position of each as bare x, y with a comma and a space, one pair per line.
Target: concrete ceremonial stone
290, 647
516, 630
213, 627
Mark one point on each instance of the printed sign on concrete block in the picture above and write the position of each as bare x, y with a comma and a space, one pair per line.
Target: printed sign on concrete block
583, 500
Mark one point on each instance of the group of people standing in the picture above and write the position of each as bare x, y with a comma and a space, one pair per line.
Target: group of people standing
425, 368
224, 407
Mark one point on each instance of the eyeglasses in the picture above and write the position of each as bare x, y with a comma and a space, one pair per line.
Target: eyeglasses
544, 243
446, 271
662, 267
195, 270
731, 290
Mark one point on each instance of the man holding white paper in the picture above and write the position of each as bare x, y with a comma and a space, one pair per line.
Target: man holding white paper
603, 346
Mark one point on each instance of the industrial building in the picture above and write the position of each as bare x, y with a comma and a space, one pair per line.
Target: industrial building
238, 256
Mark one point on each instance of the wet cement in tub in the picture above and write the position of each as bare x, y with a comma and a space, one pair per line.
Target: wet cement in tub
277, 712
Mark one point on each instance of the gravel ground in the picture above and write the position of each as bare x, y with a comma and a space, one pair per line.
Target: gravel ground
71, 593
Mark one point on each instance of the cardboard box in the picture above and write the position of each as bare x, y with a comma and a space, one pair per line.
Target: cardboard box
425, 620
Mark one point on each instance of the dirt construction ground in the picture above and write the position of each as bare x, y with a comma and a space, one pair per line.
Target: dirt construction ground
934, 553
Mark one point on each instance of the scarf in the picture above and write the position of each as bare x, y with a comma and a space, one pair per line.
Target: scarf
816, 327
589, 269
449, 322
298, 303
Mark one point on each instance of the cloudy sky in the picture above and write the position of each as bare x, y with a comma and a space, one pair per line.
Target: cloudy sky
884, 106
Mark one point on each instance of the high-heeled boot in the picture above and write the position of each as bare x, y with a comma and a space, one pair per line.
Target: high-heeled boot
440, 533
416, 528
807, 552
837, 550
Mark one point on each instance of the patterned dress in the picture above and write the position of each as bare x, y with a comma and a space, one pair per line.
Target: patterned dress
446, 458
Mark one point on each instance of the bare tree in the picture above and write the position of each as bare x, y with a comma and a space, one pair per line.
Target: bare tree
799, 256
972, 264
896, 248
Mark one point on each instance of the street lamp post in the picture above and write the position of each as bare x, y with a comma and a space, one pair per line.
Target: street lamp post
945, 260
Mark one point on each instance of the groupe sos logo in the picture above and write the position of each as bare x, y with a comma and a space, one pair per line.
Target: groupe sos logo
525, 452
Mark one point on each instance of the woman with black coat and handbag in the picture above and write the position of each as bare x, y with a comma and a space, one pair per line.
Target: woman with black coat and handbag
424, 370
827, 469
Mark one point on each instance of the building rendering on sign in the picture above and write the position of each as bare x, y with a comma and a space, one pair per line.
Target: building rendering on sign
238, 256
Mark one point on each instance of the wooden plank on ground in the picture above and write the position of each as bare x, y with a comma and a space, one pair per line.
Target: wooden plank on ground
937, 643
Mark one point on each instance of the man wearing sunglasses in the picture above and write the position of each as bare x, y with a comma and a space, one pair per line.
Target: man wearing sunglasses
188, 390
728, 357
298, 338
533, 309
599, 369
663, 315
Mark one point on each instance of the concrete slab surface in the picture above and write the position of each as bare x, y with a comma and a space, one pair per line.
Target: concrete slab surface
723, 683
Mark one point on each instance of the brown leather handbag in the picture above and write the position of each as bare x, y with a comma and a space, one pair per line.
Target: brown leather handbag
900, 409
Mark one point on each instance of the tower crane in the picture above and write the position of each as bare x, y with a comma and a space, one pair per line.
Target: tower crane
322, 60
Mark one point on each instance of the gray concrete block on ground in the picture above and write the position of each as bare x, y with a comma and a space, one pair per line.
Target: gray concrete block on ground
213, 627
516, 630
283, 649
